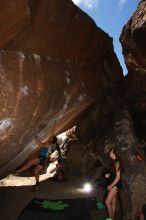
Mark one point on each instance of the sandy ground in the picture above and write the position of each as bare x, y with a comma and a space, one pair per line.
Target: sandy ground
15, 192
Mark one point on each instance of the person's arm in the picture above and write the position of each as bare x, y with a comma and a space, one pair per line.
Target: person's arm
52, 132
47, 143
59, 152
38, 141
41, 144
118, 176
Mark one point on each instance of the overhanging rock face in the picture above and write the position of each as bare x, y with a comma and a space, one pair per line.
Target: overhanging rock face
54, 64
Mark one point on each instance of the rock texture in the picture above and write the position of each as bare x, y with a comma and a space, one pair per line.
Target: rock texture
121, 135
133, 93
133, 87
123, 138
98, 130
54, 65
133, 39
57, 70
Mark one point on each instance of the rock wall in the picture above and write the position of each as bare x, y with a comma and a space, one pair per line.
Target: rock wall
133, 39
133, 87
57, 70
100, 132
129, 131
122, 137
55, 63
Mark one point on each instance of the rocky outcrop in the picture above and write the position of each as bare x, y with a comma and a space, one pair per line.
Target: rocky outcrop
40, 27
133, 39
122, 137
133, 92
133, 87
55, 65
76, 165
100, 132
57, 70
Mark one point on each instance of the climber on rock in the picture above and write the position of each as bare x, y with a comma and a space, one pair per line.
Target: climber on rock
46, 149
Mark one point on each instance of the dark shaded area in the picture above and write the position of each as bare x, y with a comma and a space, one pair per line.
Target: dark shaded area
62, 209
15, 199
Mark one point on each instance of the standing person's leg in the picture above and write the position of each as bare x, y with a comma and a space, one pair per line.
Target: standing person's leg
36, 173
29, 164
42, 161
113, 204
109, 199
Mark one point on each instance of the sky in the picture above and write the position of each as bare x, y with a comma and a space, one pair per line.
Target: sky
110, 16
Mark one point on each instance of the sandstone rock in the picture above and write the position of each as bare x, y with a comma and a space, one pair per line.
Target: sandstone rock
57, 67
79, 160
55, 63
133, 86
133, 39
132, 90
122, 137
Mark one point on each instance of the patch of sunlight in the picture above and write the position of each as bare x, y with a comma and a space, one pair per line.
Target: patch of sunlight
12, 180
62, 136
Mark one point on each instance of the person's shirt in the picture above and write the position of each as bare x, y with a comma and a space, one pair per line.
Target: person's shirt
113, 170
44, 152
48, 150
113, 173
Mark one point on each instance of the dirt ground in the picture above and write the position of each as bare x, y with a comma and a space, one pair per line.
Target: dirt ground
15, 192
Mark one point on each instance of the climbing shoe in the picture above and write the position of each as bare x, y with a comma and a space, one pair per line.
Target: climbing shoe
36, 187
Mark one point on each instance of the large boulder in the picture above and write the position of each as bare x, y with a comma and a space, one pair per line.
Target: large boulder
133, 39
128, 132
55, 63
133, 171
133, 86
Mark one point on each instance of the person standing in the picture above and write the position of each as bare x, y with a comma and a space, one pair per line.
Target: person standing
114, 184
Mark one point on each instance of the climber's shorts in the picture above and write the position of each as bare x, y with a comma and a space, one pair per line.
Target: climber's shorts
118, 186
43, 160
